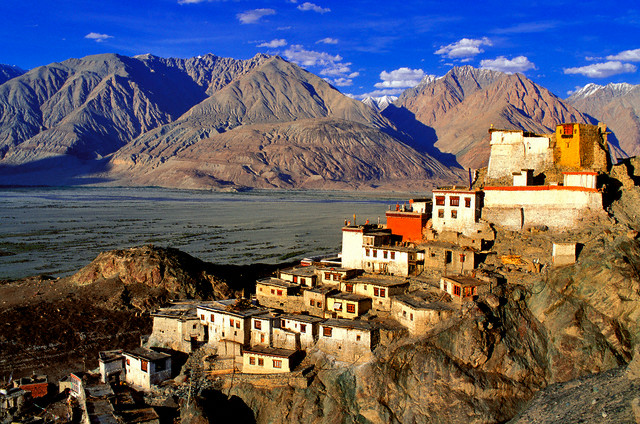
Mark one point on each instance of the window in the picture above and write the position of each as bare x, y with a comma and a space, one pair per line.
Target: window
279, 292
231, 322
382, 292
283, 323
358, 337
467, 202
385, 254
348, 288
277, 363
260, 362
337, 306
393, 255
237, 323
366, 252
326, 331
454, 214
312, 303
454, 201
144, 365
257, 325
375, 253
212, 318
351, 308
411, 317
444, 286
456, 290
261, 338
252, 360
440, 213
128, 361
295, 278
439, 200
303, 328
462, 257
319, 304
376, 291
567, 129
273, 291
404, 314
202, 317
327, 276
303, 281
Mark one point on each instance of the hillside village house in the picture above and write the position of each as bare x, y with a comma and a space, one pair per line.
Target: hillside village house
304, 325
304, 275
315, 300
449, 257
348, 340
262, 328
331, 276
112, 366
177, 327
418, 315
146, 367
456, 209
229, 327
347, 305
462, 287
277, 293
378, 288
265, 360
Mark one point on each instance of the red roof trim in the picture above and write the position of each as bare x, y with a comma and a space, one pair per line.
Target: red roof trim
541, 188
580, 173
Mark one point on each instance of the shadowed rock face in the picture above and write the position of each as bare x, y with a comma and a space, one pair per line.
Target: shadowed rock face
464, 103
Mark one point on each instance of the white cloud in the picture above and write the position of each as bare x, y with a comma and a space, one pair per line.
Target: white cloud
306, 6
400, 78
466, 47
274, 43
627, 55
592, 58
297, 54
253, 16
99, 38
328, 40
602, 70
341, 82
509, 66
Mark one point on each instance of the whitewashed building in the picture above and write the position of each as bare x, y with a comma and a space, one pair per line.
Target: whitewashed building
348, 340
303, 275
112, 366
456, 209
512, 150
266, 360
378, 288
418, 315
305, 325
146, 367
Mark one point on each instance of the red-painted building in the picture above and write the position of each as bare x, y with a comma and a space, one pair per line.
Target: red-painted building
408, 222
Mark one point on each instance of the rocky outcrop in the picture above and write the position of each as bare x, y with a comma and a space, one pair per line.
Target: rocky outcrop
170, 270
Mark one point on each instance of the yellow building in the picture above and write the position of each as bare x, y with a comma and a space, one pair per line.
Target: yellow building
582, 146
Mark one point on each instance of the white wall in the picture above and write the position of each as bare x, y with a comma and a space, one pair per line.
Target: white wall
352, 240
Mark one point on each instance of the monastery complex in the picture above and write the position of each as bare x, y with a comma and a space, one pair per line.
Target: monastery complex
405, 277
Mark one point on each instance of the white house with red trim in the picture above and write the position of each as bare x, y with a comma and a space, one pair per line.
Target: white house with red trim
456, 209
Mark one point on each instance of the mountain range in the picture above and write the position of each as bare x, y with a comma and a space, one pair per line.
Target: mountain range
222, 123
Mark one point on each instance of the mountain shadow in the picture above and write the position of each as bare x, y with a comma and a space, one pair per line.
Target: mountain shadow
417, 135
53, 171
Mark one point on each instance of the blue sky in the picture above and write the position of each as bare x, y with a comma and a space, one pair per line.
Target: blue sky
373, 47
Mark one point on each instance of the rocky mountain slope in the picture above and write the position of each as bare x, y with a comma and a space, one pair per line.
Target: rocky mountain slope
276, 127
617, 105
452, 114
90, 107
9, 71
119, 120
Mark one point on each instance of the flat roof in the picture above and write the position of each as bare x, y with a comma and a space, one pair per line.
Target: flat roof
144, 353
394, 248
349, 296
302, 271
349, 323
226, 307
323, 290
378, 280
417, 303
302, 318
445, 245
277, 282
335, 268
270, 351
464, 280
110, 355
